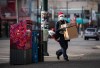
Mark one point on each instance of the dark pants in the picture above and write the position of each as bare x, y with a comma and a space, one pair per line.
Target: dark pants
64, 47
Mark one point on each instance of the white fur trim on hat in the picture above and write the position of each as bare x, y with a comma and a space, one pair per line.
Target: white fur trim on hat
60, 15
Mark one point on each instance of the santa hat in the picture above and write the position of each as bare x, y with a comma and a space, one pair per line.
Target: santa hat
60, 14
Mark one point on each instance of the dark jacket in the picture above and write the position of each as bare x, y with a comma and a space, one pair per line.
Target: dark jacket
58, 35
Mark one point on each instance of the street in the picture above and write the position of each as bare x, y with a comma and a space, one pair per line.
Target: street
82, 54
27, 24
4, 51
78, 48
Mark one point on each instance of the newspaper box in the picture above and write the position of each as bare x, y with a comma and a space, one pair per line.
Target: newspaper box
71, 32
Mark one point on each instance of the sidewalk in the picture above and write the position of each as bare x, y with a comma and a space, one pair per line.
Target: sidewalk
57, 64
76, 51
77, 59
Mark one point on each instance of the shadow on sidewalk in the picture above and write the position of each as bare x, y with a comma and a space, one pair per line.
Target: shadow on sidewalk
4, 38
57, 64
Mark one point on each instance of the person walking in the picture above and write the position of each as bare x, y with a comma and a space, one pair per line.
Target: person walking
59, 30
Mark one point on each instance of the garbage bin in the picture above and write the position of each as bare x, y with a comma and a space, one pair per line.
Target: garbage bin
20, 43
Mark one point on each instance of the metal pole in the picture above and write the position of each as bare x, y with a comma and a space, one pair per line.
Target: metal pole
52, 13
82, 15
39, 38
0, 23
17, 16
0, 27
99, 15
30, 7
44, 25
37, 13
67, 6
82, 27
91, 14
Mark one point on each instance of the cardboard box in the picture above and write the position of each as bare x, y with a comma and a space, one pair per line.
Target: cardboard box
71, 32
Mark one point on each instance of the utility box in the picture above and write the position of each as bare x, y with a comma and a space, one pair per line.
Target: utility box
21, 43
35, 43
37, 46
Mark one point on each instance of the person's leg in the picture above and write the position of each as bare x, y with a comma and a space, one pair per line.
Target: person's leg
65, 47
65, 54
59, 53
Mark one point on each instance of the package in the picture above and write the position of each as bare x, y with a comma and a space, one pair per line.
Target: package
70, 33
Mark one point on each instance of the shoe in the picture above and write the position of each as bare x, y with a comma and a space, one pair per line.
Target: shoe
58, 57
66, 59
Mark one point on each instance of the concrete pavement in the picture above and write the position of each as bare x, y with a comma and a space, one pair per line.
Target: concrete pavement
79, 49
57, 64
81, 55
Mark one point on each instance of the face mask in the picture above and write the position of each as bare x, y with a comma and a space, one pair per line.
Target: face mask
61, 18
